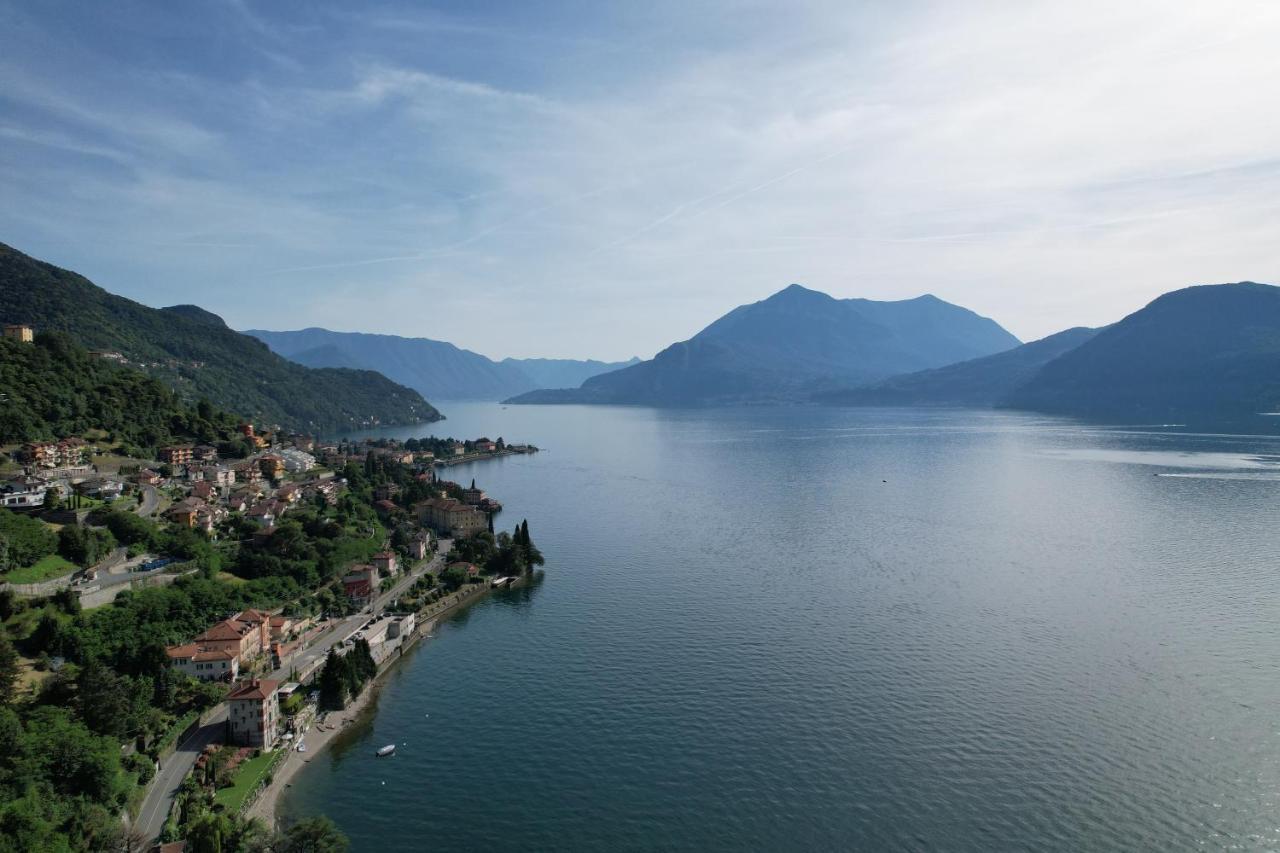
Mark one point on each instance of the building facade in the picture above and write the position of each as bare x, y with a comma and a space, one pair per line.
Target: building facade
254, 713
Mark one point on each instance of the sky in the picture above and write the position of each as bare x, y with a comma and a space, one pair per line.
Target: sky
598, 180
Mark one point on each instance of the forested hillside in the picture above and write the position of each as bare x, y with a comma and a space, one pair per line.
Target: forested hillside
54, 388
193, 352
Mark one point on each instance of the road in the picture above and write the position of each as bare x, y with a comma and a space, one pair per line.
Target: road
150, 501
347, 626
164, 787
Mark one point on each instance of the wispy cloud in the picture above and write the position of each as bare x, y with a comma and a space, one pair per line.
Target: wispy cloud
606, 178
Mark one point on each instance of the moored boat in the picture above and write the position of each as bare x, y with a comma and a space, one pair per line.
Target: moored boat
387, 750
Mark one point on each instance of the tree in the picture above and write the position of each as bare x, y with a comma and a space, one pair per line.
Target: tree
28, 539
207, 832
9, 670
314, 835
333, 682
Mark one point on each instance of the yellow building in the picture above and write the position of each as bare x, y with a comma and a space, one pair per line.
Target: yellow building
19, 332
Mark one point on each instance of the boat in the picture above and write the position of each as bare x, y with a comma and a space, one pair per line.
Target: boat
387, 750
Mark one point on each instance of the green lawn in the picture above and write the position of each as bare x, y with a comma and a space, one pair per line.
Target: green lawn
248, 775
48, 567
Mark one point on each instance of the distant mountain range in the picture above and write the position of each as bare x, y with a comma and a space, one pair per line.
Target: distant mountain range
1211, 351
193, 352
981, 382
1203, 353
792, 345
436, 369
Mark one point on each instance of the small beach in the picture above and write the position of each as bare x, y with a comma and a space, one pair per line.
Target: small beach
319, 736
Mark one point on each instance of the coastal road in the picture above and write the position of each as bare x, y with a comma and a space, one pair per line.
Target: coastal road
164, 787
347, 626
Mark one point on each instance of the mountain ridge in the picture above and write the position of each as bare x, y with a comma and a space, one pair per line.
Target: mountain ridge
437, 369
193, 352
793, 344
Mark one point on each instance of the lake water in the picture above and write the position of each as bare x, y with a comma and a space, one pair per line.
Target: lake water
807, 629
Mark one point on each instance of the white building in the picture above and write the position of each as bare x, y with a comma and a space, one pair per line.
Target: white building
297, 461
23, 493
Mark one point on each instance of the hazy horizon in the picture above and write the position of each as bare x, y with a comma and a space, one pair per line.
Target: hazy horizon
581, 181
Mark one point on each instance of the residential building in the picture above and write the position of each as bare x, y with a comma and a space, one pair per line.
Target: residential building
272, 466
328, 489
452, 517
207, 663
107, 490
360, 584
184, 512
247, 472
20, 332
147, 477
254, 713
385, 562
178, 454
281, 627
68, 452
262, 514
473, 496
23, 493
419, 545
297, 461
243, 638
484, 445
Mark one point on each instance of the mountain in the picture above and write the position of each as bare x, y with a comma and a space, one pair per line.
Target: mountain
978, 383
563, 372
795, 343
437, 369
193, 352
1211, 351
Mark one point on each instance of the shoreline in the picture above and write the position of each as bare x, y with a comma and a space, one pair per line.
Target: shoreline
316, 739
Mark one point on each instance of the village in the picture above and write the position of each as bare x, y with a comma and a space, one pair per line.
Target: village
409, 533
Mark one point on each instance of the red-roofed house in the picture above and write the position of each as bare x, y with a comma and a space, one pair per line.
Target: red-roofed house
254, 713
204, 662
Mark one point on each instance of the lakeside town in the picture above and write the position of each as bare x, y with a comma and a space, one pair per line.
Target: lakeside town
208, 605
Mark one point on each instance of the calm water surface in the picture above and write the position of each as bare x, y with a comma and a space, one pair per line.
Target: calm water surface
806, 629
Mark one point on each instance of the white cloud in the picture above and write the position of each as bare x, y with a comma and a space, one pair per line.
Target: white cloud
607, 186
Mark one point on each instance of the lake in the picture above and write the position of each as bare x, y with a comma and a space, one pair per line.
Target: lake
805, 629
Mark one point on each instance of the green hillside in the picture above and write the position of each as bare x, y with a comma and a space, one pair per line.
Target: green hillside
1207, 352
193, 352
53, 389
979, 382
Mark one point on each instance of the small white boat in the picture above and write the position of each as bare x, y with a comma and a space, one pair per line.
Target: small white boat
386, 750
